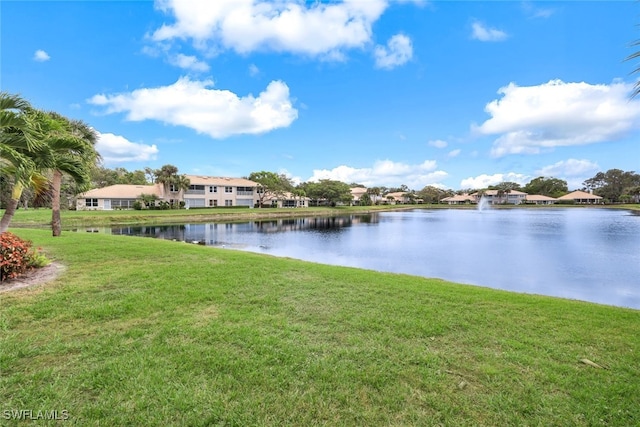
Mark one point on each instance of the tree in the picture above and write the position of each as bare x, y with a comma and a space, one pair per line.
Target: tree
547, 186
431, 194
611, 184
332, 192
375, 192
68, 149
18, 140
270, 185
365, 200
168, 176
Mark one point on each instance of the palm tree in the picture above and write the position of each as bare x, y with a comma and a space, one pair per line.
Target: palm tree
165, 176
18, 139
69, 149
181, 184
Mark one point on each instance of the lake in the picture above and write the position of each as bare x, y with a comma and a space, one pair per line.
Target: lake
589, 254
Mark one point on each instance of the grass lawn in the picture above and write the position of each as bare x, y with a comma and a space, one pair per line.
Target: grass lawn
42, 217
147, 332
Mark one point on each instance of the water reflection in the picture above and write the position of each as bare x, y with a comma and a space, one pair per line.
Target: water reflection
587, 254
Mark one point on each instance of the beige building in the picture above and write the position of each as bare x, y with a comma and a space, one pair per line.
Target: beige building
119, 196
582, 197
210, 191
204, 191
460, 199
538, 199
287, 200
513, 197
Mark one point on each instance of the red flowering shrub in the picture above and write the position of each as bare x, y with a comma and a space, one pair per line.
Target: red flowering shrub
15, 256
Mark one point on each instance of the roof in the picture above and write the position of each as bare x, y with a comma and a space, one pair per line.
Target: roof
495, 193
575, 195
460, 198
221, 181
539, 198
358, 191
397, 195
122, 191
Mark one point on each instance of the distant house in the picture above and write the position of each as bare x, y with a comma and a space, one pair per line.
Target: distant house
582, 198
538, 199
397, 198
287, 200
357, 193
460, 199
513, 197
119, 196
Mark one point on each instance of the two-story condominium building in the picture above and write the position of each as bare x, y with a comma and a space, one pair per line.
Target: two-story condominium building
513, 197
204, 191
211, 191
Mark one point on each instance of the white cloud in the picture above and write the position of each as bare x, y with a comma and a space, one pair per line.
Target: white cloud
385, 173
536, 12
117, 149
484, 180
253, 70
574, 171
537, 118
398, 51
311, 28
189, 63
455, 153
485, 34
438, 143
41, 56
294, 179
571, 167
217, 113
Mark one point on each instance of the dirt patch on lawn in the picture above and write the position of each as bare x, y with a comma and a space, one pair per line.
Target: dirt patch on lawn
34, 277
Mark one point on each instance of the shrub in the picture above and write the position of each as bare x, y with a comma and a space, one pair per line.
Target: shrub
17, 256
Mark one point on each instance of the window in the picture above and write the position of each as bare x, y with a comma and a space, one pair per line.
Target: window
244, 191
173, 188
213, 189
91, 203
122, 203
228, 202
228, 189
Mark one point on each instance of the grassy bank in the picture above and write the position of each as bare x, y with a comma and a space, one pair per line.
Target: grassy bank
31, 218
155, 333
40, 218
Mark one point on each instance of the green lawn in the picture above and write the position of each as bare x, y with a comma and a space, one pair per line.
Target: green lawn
150, 332
42, 217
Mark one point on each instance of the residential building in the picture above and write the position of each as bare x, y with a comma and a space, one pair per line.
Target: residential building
203, 191
460, 199
538, 199
210, 191
582, 198
287, 200
513, 197
119, 196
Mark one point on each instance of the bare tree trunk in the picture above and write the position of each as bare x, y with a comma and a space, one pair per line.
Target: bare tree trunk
12, 205
56, 223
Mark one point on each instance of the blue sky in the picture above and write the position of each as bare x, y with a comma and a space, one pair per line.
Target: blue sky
447, 93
